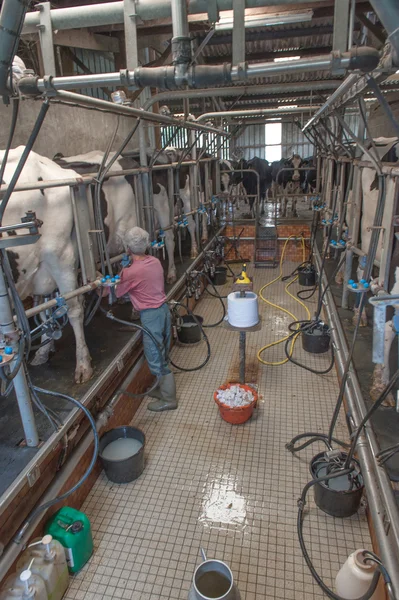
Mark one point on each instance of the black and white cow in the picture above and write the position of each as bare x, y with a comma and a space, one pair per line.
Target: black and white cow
388, 150
290, 179
52, 262
250, 180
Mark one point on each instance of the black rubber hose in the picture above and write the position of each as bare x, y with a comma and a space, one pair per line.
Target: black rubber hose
298, 364
24, 157
316, 576
314, 437
221, 300
93, 307
143, 329
369, 414
89, 469
205, 337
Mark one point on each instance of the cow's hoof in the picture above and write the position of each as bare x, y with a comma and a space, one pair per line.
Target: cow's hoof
363, 320
83, 373
376, 390
339, 278
40, 358
194, 253
295, 215
171, 278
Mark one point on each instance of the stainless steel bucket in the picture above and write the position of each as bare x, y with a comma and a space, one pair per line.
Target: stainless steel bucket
213, 580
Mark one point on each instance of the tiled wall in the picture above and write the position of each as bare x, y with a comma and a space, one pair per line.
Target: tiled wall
246, 248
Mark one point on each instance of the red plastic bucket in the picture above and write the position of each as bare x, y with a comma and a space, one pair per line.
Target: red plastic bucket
239, 414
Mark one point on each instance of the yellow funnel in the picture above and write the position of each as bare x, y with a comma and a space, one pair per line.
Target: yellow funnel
243, 278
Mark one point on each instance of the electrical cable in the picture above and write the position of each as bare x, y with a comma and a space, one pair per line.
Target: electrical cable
46, 505
301, 505
286, 311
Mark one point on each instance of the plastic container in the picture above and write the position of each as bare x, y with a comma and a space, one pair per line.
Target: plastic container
220, 276
126, 469
307, 276
354, 577
239, 414
23, 586
317, 340
188, 331
72, 529
49, 563
339, 497
242, 311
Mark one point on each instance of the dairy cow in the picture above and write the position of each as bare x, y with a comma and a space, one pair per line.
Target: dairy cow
52, 262
290, 179
388, 151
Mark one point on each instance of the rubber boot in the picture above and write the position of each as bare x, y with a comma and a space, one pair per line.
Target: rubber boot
156, 393
168, 401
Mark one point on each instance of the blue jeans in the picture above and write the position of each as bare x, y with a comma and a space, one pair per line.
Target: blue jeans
158, 322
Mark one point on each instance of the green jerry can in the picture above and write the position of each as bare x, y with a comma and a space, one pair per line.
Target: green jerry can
72, 529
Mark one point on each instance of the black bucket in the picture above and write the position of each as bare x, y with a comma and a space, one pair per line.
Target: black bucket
220, 276
123, 470
338, 497
317, 339
188, 331
307, 276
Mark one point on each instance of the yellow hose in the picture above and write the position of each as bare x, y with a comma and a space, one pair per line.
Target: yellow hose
284, 339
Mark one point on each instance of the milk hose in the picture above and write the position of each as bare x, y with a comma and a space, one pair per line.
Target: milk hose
294, 338
111, 316
316, 576
216, 295
204, 336
46, 505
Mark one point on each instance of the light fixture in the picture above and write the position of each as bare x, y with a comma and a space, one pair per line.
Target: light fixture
286, 58
287, 106
255, 21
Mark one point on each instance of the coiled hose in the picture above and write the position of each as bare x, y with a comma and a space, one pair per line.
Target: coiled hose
291, 338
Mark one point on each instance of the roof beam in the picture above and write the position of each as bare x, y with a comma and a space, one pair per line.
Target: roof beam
83, 38
214, 60
377, 31
267, 34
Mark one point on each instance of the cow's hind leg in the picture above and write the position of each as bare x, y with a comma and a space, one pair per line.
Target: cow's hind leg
64, 274
381, 371
294, 210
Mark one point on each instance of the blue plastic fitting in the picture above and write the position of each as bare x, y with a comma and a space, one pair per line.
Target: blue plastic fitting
113, 280
103, 280
362, 281
107, 277
117, 277
8, 350
366, 285
351, 281
354, 285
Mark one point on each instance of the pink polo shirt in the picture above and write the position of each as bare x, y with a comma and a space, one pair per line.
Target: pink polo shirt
144, 282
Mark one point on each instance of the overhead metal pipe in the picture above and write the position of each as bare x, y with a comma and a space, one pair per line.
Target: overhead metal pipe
11, 20
343, 89
129, 111
111, 13
201, 76
253, 90
254, 112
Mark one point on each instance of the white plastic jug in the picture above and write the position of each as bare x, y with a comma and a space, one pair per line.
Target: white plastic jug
355, 576
49, 563
23, 587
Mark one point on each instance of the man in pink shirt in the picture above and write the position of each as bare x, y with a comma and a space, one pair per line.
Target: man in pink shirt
143, 280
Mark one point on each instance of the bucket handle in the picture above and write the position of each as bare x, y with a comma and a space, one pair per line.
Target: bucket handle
203, 554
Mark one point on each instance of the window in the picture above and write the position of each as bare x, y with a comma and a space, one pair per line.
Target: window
273, 141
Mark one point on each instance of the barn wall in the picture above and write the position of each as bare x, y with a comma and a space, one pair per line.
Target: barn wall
294, 142
251, 142
378, 122
66, 129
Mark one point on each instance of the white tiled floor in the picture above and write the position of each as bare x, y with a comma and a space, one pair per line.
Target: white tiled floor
232, 490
